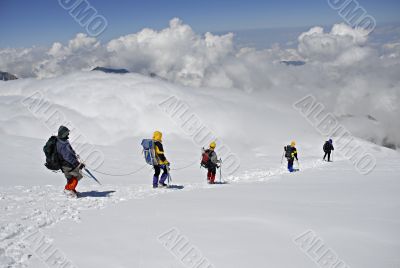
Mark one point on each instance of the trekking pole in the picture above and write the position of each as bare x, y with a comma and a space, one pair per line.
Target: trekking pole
283, 154
169, 176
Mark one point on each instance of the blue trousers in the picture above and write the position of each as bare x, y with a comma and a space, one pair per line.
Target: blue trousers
290, 165
157, 171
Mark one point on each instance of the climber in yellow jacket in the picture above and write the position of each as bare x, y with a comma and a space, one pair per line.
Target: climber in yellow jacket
291, 155
162, 162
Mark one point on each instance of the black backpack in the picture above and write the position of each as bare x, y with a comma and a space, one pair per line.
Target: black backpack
53, 161
327, 147
288, 151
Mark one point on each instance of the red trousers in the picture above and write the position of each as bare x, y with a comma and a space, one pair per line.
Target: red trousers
211, 177
71, 184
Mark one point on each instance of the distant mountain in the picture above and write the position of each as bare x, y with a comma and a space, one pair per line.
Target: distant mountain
4, 76
293, 62
110, 70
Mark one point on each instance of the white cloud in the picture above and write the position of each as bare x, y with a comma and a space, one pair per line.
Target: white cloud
392, 50
81, 53
342, 69
338, 45
176, 53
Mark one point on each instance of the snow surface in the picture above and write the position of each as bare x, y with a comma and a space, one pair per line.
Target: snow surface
249, 222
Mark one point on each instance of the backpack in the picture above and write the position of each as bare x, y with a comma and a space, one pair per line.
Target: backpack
288, 151
53, 161
325, 148
148, 152
205, 159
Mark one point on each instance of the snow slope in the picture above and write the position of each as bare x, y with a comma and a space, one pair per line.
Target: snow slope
249, 222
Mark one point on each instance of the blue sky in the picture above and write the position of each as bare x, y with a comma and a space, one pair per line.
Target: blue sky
40, 22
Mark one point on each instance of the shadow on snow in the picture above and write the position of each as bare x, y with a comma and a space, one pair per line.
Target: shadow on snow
95, 194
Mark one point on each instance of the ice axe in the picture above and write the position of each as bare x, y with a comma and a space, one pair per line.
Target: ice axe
91, 175
88, 171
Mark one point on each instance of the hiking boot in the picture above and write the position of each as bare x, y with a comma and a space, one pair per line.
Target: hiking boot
212, 179
70, 193
164, 185
76, 193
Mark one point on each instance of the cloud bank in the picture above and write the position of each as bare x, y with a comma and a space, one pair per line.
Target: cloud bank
353, 78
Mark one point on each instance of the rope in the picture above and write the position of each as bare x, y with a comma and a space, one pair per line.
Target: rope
138, 170
185, 167
120, 175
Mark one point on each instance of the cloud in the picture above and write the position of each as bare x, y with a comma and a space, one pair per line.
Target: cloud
21, 61
392, 50
343, 45
81, 53
343, 70
176, 53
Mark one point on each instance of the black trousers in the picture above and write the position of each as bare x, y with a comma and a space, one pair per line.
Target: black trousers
327, 154
157, 170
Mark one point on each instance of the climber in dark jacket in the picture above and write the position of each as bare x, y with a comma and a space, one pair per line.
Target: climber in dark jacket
328, 148
70, 165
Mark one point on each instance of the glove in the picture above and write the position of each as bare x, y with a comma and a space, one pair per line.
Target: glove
82, 166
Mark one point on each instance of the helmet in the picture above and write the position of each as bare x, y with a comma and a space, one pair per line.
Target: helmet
63, 132
213, 145
330, 141
157, 136
293, 143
